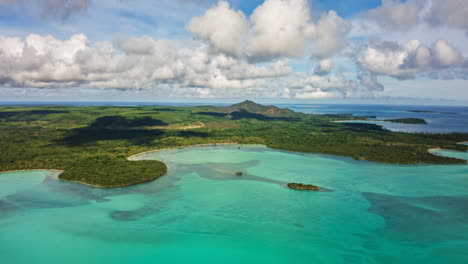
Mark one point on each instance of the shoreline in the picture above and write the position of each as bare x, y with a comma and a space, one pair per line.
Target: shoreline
115, 186
188, 146
53, 170
58, 172
353, 120
131, 158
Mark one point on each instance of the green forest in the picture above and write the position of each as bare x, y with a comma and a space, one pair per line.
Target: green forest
91, 144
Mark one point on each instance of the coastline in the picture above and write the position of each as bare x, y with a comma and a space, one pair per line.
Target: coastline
434, 149
58, 172
188, 146
352, 120
131, 158
114, 186
54, 170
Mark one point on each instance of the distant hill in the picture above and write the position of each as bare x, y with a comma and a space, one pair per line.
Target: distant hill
252, 107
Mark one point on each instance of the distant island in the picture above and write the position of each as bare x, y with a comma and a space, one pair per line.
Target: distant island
430, 112
92, 144
407, 120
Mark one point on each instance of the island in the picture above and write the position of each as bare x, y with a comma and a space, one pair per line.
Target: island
430, 112
407, 120
301, 186
92, 144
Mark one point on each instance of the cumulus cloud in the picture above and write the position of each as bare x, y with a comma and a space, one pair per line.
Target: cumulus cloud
402, 15
303, 85
285, 28
236, 55
280, 28
409, 60
59, 9
445, 55
138, 63
370, 82
331, 33
324, 67
276, 28
222, 27
452, 13
160, 67
394, 14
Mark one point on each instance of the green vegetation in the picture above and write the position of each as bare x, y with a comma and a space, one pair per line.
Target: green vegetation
408, 120
91, 144
301, 186
105, 171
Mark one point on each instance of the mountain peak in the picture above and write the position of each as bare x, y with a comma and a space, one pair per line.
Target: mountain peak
247, 102
252, 107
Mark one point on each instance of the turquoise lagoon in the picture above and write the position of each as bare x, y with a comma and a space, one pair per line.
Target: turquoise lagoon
200, 212
450, 153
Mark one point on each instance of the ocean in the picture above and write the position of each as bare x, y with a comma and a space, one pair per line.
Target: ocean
440, 119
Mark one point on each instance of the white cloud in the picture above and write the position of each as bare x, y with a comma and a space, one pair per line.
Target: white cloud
324, 67
331, 33
370, 82
393, 14
142, 63
411, 59
222, 27
445, 55
307, 83
285, 28
280, 28
276, 28
399, 15
452, 13
232, 54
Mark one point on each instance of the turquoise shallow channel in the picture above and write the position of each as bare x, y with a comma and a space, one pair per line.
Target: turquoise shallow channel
201, 212
450, 153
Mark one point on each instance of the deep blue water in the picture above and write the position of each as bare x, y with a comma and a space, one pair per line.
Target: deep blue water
440, 119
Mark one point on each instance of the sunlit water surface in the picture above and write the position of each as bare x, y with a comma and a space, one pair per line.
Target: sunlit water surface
201, 212
440, 119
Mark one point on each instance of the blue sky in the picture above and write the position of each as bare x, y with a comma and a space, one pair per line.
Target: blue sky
204, 50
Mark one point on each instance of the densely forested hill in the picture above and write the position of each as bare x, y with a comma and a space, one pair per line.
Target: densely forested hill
252, 107
91, 144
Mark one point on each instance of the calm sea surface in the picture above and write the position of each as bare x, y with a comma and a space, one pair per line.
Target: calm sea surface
200, 212
440, 119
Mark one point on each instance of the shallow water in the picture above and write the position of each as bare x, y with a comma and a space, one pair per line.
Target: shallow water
201, 212
450, 153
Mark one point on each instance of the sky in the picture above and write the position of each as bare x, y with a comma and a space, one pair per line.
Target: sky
296, 50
